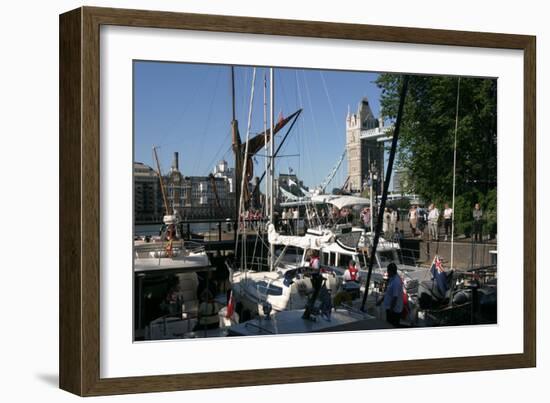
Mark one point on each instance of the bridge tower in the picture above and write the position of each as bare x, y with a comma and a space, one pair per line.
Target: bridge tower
365, 136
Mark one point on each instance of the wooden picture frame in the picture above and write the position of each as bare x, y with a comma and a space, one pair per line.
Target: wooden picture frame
79, 200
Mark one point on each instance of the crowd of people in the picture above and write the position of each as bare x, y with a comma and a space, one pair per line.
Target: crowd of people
432, 219
390, 219
430, 222
251, 218
289, 220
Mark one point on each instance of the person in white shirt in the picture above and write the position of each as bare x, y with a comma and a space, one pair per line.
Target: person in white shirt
478, 222
448, 220
433, 217
386, 218
312, 216
393, 222
295, 216
284, 217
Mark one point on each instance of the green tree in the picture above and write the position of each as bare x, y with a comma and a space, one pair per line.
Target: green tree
426, 141
463, 212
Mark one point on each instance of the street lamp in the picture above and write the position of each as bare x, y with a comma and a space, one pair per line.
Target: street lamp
373, 177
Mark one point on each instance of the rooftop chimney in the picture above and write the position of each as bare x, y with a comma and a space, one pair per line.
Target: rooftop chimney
175, 162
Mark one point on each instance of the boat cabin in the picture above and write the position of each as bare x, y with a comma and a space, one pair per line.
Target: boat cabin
338, 256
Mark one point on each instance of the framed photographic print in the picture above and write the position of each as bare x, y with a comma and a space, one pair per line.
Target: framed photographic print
242, 198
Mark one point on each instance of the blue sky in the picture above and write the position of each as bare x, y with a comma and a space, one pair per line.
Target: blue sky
187, 108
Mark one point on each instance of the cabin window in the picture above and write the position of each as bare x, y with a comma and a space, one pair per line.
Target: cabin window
387, 257
269, 289
325, 259
332, 259
399, 256
291, 255
344, 260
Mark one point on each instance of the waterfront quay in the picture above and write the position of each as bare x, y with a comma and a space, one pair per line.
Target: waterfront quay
162, 294
218, 235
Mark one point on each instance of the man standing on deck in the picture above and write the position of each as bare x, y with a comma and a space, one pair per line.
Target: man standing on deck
393, 297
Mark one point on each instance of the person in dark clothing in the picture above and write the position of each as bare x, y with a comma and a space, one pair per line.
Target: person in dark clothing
393, 296
477, 215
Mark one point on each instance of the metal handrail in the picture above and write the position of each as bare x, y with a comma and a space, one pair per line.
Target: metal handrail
164, 318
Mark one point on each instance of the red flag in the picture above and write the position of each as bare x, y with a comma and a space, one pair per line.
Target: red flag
230, 306
405, 312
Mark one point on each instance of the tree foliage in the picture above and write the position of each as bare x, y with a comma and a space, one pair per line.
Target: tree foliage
463, 212
426, 140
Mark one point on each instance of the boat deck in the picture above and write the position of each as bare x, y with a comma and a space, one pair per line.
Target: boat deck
291, 322
181, 263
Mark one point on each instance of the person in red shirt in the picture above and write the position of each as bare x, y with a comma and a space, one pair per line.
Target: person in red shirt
314, 261
351, 273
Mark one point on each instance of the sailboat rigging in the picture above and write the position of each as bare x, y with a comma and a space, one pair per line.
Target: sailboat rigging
244, 158
393, 150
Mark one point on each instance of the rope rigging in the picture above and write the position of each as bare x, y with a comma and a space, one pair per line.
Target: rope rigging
454, 173
241, 199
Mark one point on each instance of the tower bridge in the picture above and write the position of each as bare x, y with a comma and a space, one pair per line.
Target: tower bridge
365, 137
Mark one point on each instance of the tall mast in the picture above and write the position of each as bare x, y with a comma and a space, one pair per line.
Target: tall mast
236, 142
233, 92
243, 178
454, 185
454, 175
387, 178
162, 189
271, 160
266, 207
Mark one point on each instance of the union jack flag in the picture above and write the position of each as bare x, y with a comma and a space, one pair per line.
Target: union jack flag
438, 265
439, 275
